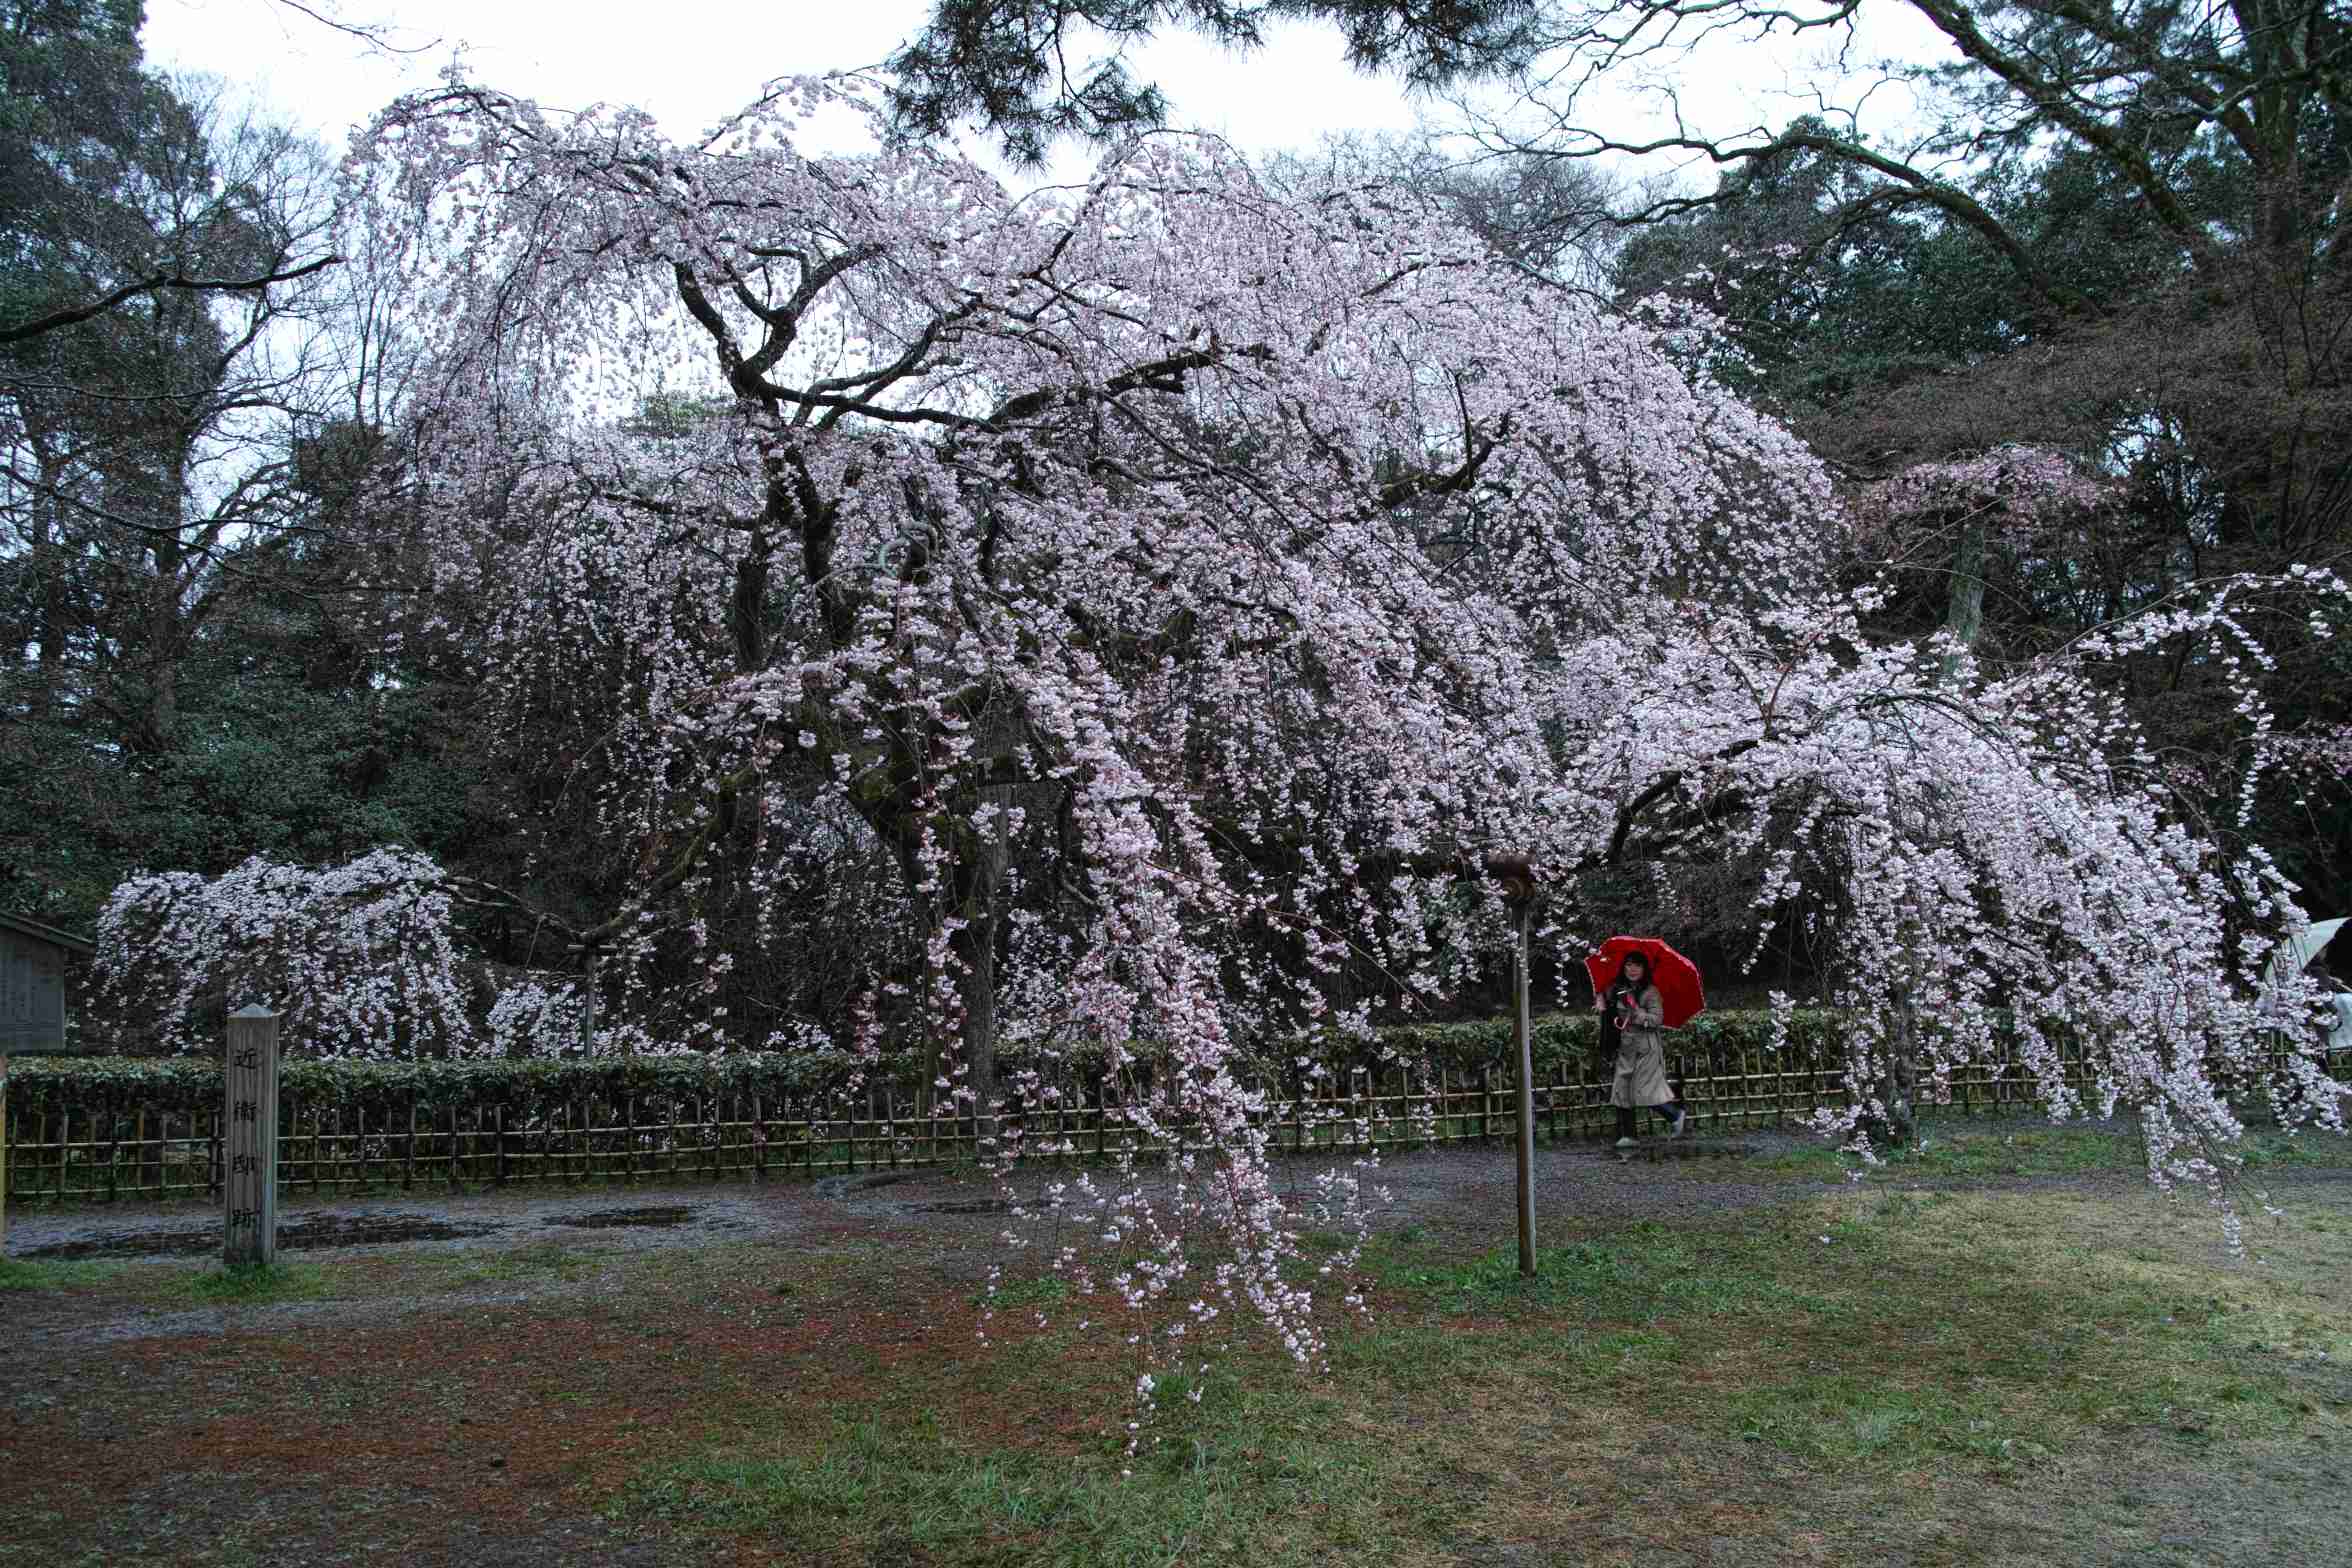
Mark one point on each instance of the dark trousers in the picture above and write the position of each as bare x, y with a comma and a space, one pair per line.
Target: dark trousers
1669, 1110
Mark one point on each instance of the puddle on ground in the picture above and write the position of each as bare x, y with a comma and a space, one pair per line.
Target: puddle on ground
615, 1219
333, 1230
1691, 1149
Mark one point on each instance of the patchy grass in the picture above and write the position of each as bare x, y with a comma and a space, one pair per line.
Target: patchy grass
1952, 1149
43, 1274
1968, 1151
1256, 1474
2267, 1148
1918, 1328
1885, 1351
1638, 1273
250, 1283
1929, 1379
549, 1262
1044, 1290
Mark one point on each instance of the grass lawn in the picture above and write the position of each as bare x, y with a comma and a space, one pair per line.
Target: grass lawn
2068, 1374
1954, 1148
1879, 1378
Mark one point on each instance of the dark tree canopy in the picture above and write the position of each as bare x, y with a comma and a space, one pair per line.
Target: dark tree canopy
1035, 70
87, 139
2209, 388
178, 677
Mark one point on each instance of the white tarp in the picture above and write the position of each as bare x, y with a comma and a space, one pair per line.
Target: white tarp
2306, 946
2301, 951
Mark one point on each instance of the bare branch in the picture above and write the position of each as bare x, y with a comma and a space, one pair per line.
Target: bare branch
25, 331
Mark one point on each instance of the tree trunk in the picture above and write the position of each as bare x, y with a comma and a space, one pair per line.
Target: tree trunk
53, 557
1964, 608
977, 877
49, 577
974, 945
1898, 1087
168, 588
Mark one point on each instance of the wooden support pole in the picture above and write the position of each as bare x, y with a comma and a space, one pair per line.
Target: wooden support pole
1522, 1026
588, 1004
249, 1113
1519, 887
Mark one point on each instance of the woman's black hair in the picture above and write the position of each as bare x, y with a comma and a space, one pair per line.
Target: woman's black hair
1611, 1031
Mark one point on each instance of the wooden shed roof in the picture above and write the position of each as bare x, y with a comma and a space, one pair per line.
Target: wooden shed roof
33, 928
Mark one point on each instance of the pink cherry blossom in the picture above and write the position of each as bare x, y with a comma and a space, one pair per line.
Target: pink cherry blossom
1184, 584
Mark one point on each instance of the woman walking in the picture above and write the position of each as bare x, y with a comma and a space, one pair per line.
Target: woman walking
1632, 1031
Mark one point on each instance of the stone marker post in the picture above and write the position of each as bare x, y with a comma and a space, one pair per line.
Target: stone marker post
249, 1143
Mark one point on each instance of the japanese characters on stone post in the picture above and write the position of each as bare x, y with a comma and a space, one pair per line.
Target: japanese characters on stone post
249, 1138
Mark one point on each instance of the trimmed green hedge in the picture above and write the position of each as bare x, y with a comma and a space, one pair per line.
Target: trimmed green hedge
1572, 1040
1565, 1048
184, 1084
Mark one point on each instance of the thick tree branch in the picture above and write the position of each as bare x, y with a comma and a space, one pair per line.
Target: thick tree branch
25, 331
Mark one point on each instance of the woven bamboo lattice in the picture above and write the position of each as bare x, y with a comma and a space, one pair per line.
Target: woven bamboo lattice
135, 1153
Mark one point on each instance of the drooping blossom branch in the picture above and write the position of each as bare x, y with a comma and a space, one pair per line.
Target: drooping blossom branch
358, 959
1176, 581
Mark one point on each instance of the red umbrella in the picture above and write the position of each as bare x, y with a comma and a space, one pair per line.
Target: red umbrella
1675, 976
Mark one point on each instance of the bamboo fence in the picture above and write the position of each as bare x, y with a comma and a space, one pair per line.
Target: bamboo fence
139, 1154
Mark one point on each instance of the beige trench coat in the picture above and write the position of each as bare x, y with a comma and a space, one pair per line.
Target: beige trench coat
1641, 1055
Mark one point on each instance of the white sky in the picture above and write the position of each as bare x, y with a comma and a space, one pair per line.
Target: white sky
691, 61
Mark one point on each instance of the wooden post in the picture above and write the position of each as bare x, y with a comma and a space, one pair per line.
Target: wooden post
249, 1112
3, 1154
1520, 891
588, 1005
1522, 1026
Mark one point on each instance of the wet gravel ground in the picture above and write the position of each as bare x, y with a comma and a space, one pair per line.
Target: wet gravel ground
1453, 1188
1445, 1188
944, 1221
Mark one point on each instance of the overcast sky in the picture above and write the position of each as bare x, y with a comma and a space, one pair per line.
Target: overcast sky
691, 61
